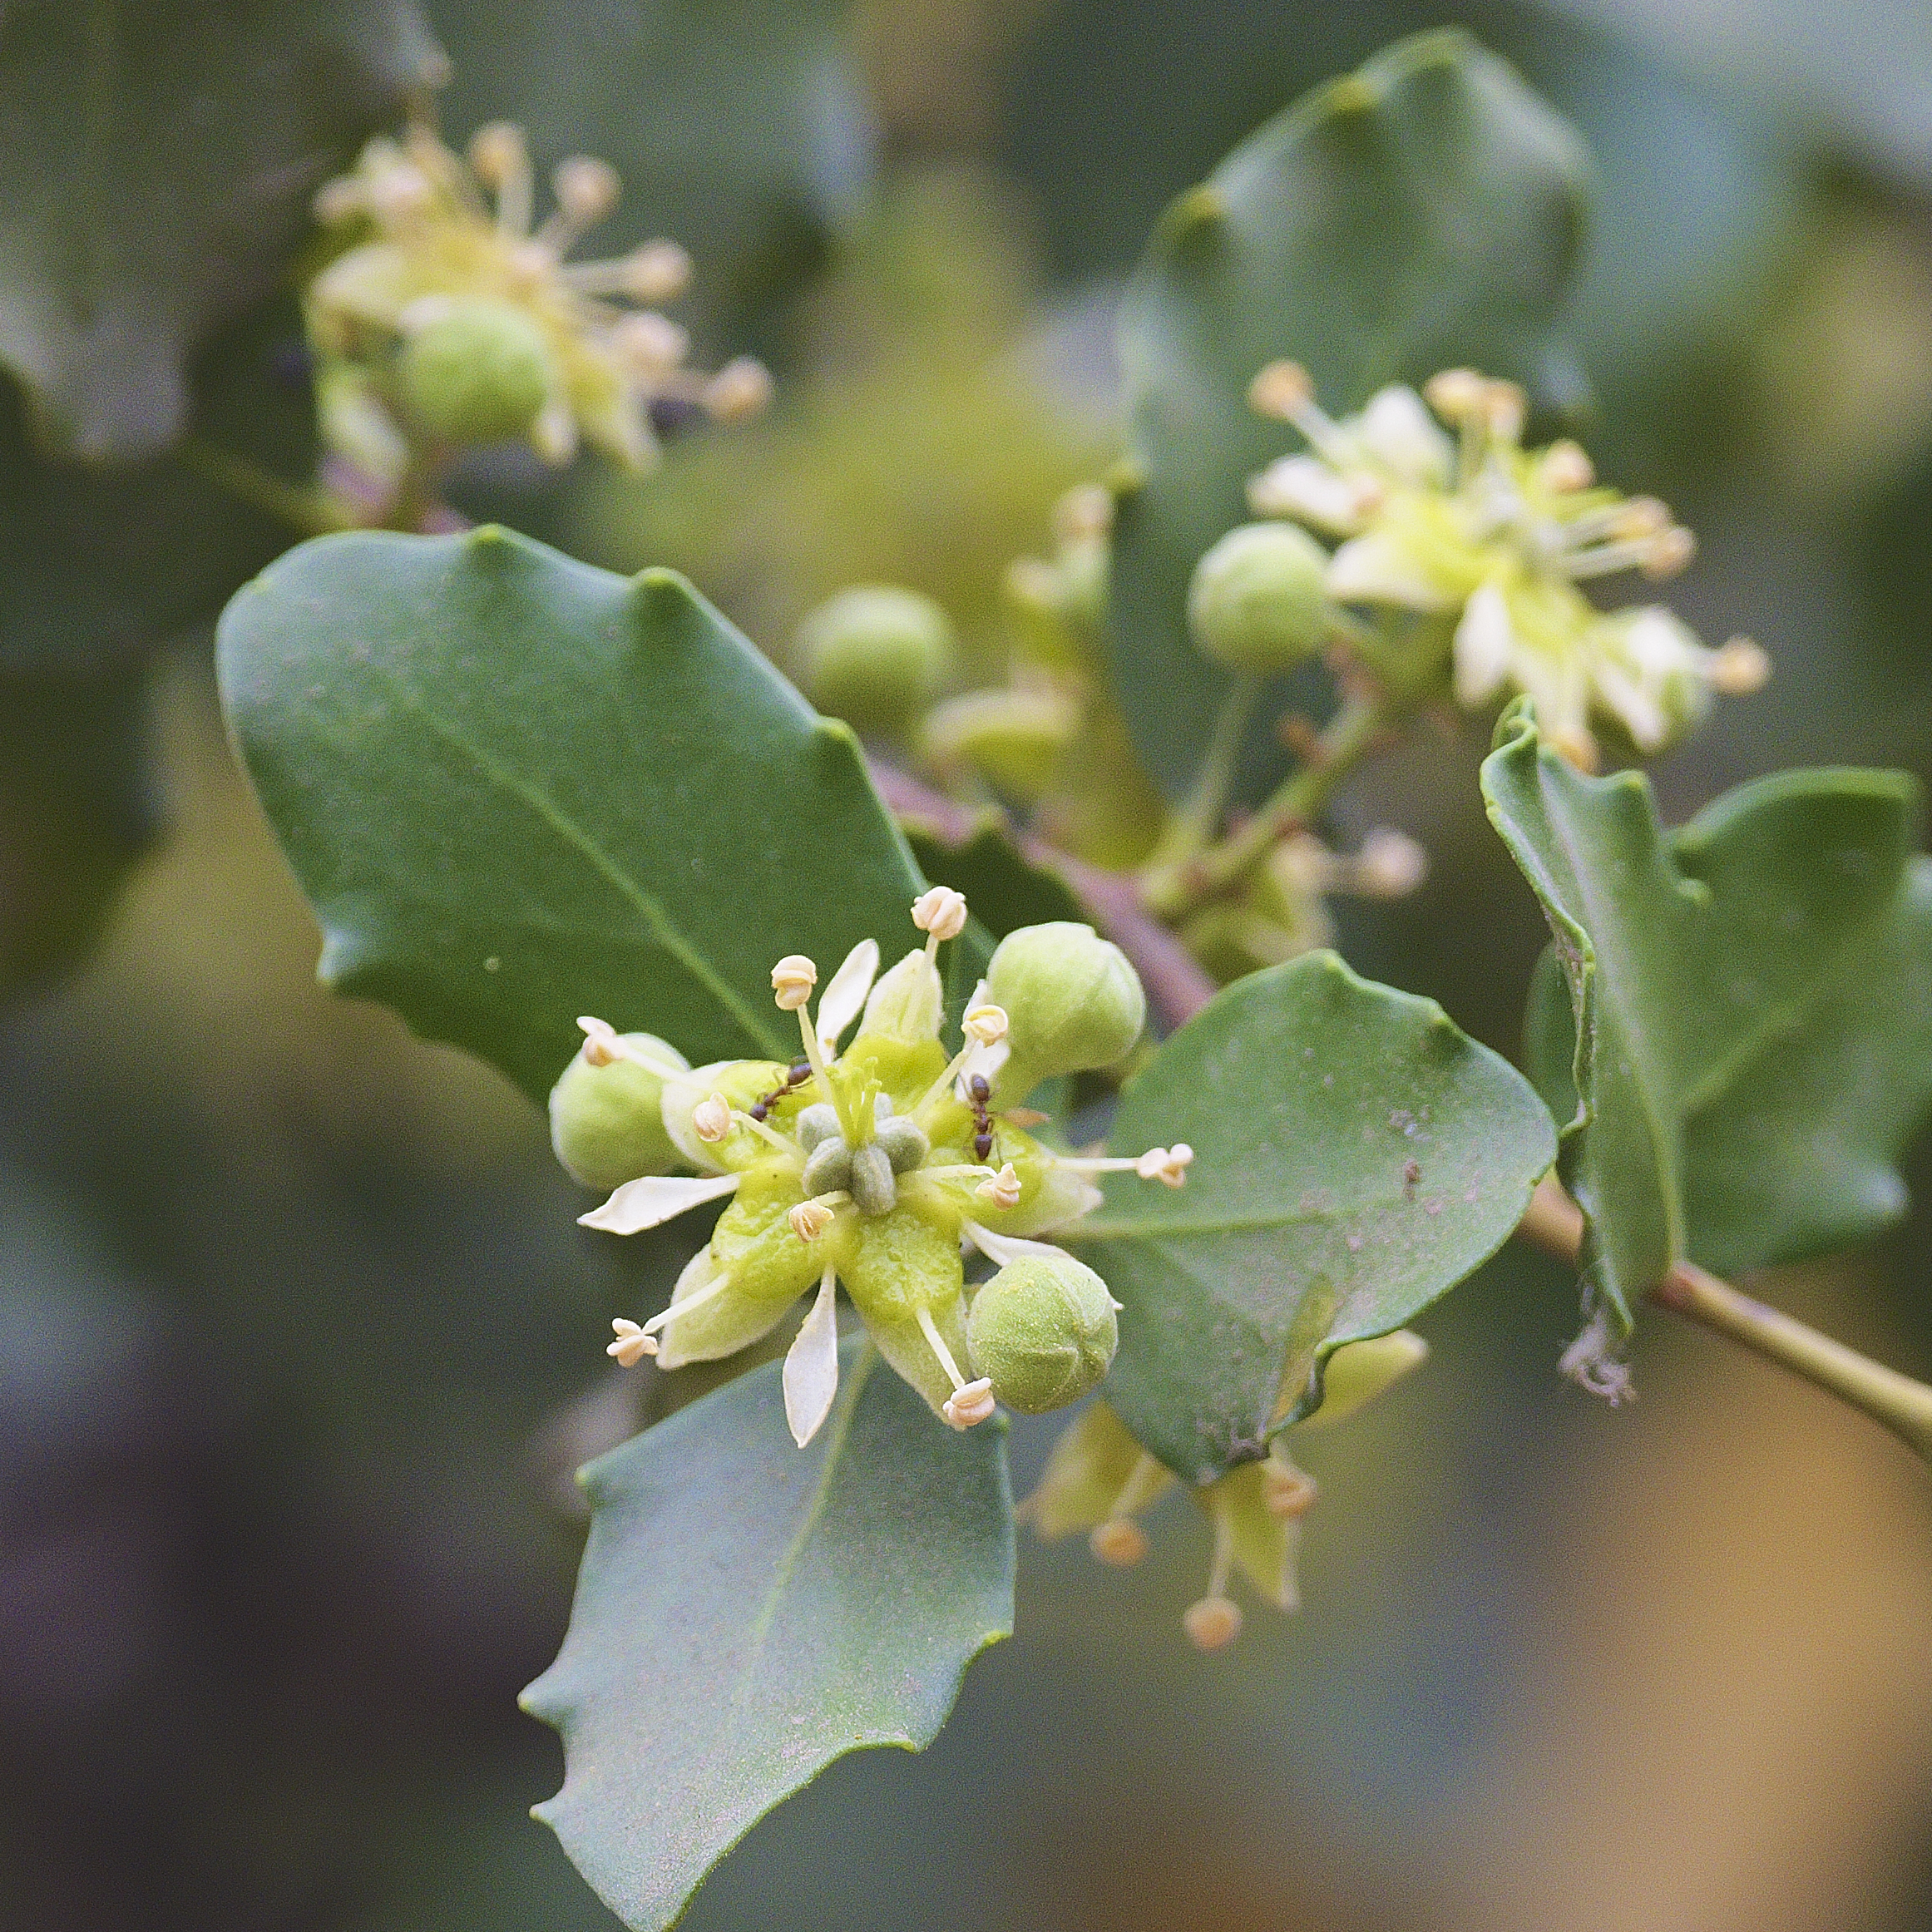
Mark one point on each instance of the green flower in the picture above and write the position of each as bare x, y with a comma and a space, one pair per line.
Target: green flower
1491, 541
879, 1164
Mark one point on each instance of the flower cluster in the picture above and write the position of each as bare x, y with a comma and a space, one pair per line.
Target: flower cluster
879, 1166
452, 320
1440, 511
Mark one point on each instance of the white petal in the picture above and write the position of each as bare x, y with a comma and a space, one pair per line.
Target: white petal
811, 1378
1661, 642
1376, 569
1484, 642
844, 997
1306, 488
1004, 1247
655, 1199
1399, 433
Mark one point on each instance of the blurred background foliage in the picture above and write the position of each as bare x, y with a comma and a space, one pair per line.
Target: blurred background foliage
298, 1342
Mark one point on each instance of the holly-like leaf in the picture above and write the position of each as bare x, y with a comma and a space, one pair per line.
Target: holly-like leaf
747, 1612
1423, 211
155, 179
1711, 981
516, 789
1355, 1156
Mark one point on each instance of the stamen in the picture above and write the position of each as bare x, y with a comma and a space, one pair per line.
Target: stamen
1566, 468
711, 1118
1120, 1542
793, 979
1003, 1188
1286, 1493
1166, 1164
696, 1299
940, 914
788, 1147
1215, 1622
985, 1026
1284, 391
603, 1044
741, 389
970, 1402
810, 1219
632, 1344
1739, 667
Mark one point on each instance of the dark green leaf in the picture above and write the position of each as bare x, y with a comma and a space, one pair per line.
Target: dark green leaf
76, 811
155, 179
1695, 969
1422, 212
516, 789
1356, 1156
739, 126
747, 1612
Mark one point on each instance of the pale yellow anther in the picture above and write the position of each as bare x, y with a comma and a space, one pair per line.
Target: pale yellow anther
601, 1047
1286, 1493
741, 389
1085, 513
809, 1219
632, 1344
941, 912
1504, 409
969, 1403
1213, 1624
1639, 517
711, 1118
1280, 389
498, 152
339, 201
1566, 468
399, 193
1120, 1542
1670, 550
656, 272
1390, 864
1167, 1165
586, 188
1455, 394
1739, 668
793, 979
985, 1025
650, 345
1002, 1189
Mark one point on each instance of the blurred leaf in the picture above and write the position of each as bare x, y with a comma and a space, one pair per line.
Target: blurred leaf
738, 125
1696, 969
1798, 1155
99, 564
747, 1612
516, 788
1424, 211
1356, 1156
155, 179
76, 811
1002, 889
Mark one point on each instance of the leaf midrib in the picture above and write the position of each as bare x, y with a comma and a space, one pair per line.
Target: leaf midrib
663, 930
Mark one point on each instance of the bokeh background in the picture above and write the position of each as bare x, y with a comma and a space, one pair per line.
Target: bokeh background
298, 1343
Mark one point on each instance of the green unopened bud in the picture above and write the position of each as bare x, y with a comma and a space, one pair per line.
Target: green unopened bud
1071, 999
875, 655
1358, 1372
908, 1002
480, 371
606, 1119
1013, 740
1043, 1329
1257, 603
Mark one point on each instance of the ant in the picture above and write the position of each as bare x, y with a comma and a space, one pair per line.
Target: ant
796, 1074
981, 1093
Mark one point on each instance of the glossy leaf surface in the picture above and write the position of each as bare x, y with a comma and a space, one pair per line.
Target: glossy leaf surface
155, 179
747, 1612
1695, 969
1356, 1155
516, 789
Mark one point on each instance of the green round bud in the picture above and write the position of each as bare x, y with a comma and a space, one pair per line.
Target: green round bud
1257, 602
875, 655
607, 1124
1016, 740
1043, 1330
1071, 999
479, 373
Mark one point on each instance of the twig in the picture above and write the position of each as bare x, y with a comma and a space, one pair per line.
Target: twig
1176, 982
1555, 1224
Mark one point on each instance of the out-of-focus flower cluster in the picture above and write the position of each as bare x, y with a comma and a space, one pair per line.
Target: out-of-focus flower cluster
453, 318
1441, 512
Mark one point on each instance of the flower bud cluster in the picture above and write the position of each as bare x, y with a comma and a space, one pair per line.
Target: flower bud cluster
1437, 509
450, 319
876, 1166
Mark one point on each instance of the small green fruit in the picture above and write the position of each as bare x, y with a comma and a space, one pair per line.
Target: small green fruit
1016, 740
1043, 1330
1258, 603
874, 655
479, 373
606, 1123
1072, 1000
